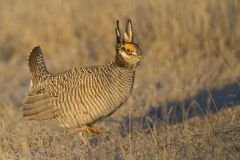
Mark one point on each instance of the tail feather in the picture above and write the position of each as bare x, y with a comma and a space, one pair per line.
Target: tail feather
36, 62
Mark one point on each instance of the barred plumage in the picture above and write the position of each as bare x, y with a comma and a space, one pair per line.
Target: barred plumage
82, 96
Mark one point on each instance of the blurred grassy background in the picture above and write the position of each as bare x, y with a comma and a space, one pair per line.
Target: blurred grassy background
183, 42
191, 53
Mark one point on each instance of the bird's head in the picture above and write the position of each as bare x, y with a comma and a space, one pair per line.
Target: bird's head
128, 52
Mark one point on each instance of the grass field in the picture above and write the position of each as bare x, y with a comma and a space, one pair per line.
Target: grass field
186, 98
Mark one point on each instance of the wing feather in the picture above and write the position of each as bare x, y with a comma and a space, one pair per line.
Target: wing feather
40, 107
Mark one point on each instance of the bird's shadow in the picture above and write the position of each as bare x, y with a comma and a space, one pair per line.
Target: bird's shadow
207, 101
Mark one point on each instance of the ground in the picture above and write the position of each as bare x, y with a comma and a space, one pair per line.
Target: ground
185, 101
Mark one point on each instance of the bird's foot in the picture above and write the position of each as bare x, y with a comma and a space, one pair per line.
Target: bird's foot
85, 132
92, 130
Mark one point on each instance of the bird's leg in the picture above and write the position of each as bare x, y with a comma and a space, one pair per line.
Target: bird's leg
84, 138
85, 131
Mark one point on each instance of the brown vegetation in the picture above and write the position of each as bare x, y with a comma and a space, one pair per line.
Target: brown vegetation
185, 102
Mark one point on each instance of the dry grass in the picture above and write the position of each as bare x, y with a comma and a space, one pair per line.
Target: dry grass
211, 137
191, 66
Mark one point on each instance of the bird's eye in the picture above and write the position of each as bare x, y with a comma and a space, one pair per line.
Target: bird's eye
128, 50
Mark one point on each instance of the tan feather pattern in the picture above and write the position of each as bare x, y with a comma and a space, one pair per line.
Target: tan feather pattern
80, 96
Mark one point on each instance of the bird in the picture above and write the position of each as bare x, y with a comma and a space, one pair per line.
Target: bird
81, 97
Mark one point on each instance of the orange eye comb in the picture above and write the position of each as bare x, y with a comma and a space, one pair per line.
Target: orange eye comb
129, 46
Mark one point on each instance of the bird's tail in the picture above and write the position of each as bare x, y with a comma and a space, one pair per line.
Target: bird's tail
36, 63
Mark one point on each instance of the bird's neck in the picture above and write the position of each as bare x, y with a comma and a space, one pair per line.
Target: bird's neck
119, 61
121, 75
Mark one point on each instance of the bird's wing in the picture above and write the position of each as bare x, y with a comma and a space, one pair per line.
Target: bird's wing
40, 107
